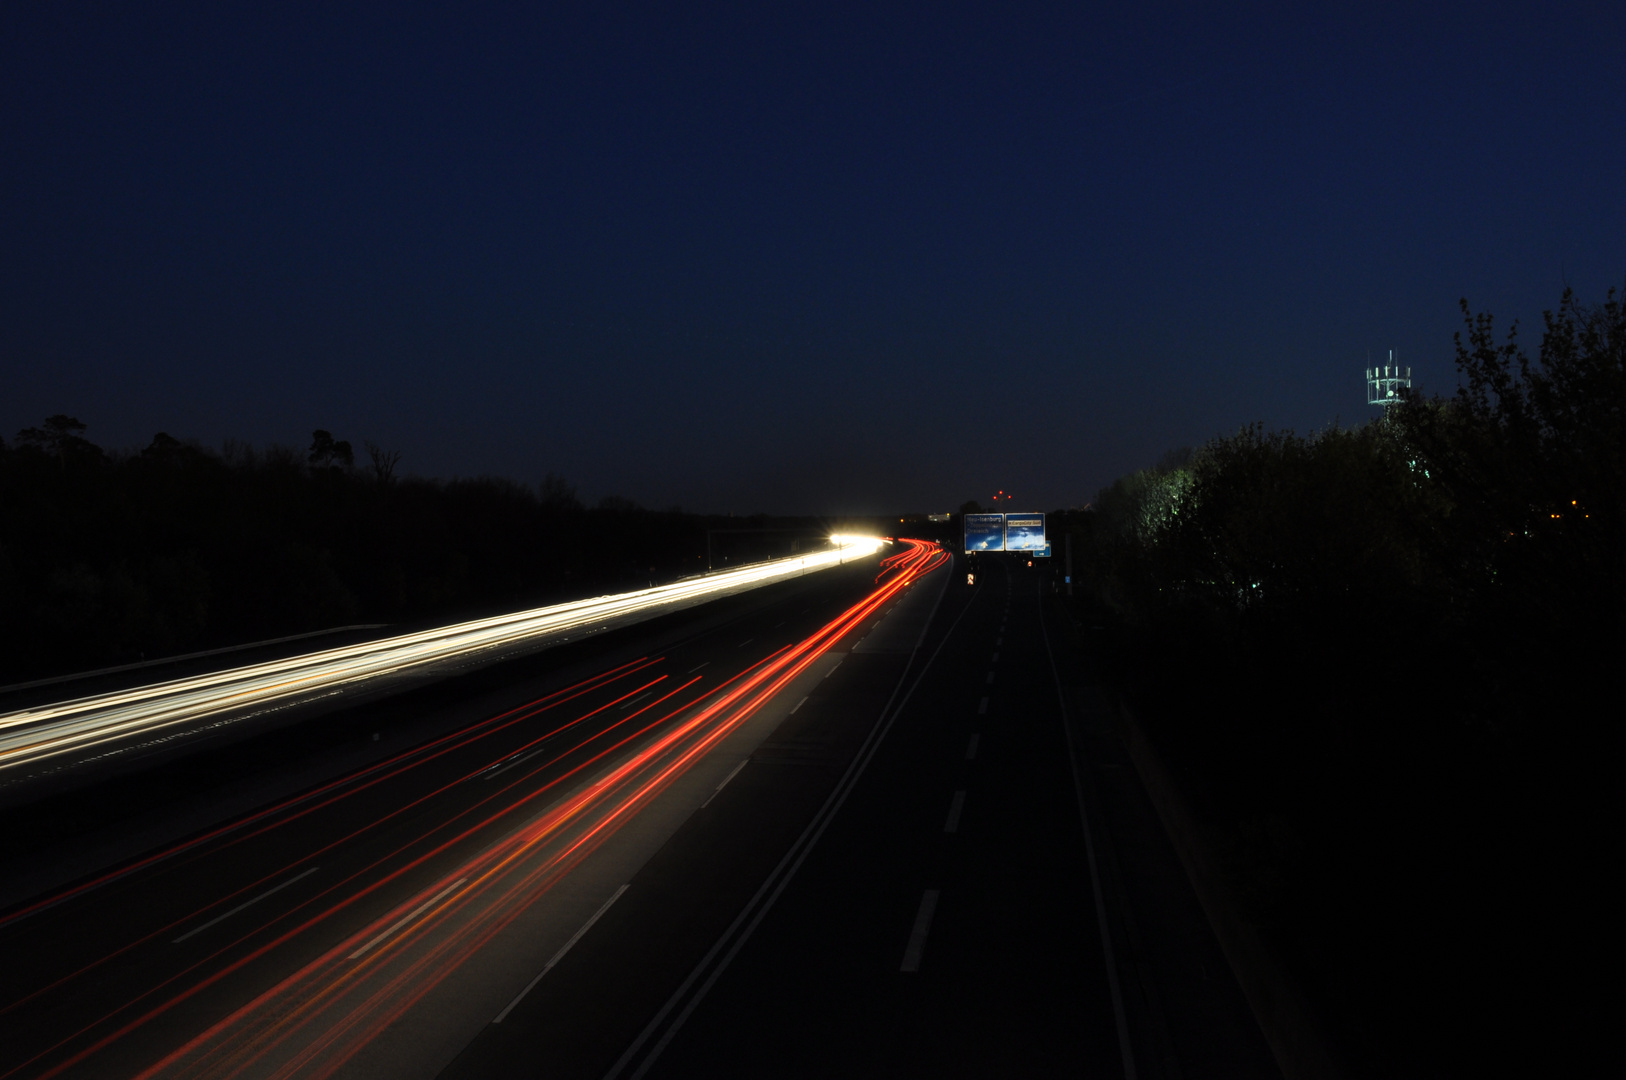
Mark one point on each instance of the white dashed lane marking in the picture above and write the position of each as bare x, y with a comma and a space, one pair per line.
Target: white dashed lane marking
245, 904
923, 926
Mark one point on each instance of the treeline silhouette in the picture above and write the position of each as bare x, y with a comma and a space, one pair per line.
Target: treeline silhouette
1383, 662
112, 558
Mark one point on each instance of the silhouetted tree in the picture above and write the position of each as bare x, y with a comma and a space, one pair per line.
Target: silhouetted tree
167, 449
383, 461
1532, 459
325, 452
62, 437
558, 494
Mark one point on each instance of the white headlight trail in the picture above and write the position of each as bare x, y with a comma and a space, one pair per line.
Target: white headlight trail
31, 736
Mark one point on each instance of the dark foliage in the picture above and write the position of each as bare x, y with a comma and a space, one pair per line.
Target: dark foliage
1394, 650
112, 559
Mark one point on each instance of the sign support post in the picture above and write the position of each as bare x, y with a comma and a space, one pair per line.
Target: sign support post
1069, 564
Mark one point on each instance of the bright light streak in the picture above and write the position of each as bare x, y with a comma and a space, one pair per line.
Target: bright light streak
164, 710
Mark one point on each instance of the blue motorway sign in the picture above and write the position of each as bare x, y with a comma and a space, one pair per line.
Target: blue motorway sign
1024, 532
985, 532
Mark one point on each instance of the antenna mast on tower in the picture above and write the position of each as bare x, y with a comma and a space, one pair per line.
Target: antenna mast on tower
1387, 384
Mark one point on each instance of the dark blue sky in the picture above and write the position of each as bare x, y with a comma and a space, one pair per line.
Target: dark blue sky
783, 257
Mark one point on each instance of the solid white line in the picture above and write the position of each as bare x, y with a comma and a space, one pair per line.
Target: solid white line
716, 791
419, 910
695, 669
1119, 1013
799, 704
971, 747
982, 707
956, 805
923, 925
246, 904
558, 956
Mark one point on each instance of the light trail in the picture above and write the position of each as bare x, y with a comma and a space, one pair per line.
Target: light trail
316, 1018
149, 714
277, 814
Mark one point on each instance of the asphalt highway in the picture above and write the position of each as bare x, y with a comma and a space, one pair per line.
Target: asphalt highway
859, 823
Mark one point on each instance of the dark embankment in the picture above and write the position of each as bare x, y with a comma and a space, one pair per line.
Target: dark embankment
1379, 665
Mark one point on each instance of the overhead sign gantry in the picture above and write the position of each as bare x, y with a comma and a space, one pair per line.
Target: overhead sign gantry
1005, 532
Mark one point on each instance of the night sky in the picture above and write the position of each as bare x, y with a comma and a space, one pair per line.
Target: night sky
783, 257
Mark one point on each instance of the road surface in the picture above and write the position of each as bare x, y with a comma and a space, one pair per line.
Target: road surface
846, 826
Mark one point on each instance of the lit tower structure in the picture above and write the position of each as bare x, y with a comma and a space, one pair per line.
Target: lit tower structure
1385, 385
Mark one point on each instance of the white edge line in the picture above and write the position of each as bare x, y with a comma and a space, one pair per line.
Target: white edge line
560, 955
246, 904
419, 910
1120, 1013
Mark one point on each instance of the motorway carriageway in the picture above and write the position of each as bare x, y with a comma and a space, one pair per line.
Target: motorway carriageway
375, 924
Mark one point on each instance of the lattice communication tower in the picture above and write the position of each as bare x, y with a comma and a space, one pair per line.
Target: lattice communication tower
1387, 384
